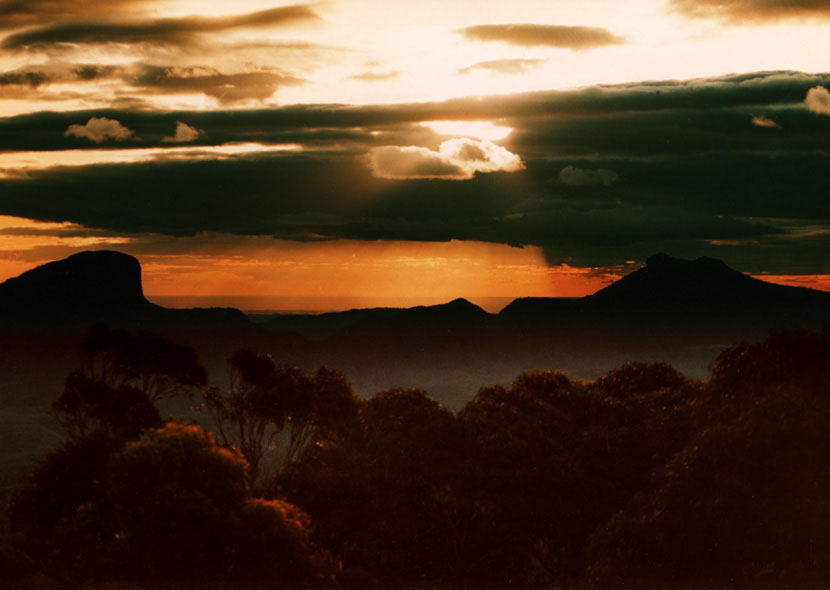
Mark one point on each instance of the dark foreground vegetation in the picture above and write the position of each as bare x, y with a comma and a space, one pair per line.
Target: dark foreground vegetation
639, 478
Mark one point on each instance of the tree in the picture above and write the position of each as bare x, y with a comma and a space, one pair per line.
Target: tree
786, 358
172, 507
181, 503
87, 405
266, 400
375, 493
744, 504
55, 513
527, 493
639, 379
122, 376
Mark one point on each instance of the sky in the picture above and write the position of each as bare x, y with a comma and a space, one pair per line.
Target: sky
421, 149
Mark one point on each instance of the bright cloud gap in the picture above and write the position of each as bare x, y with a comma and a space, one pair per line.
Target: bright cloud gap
484, 130
456, 159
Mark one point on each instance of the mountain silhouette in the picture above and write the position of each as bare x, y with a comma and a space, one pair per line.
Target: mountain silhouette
108, 284
709, 283
453, 316
680, 311
669, 289
66, 297
87, 279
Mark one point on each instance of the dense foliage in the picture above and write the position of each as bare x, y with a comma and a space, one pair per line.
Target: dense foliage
639, 478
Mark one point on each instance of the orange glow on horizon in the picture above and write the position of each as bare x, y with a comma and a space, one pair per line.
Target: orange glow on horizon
224, 265
819, 282
360, 269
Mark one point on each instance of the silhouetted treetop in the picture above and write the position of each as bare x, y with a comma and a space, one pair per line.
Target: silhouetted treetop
153, 364
742, 505
88, 404
794, 359
121, 377
639, 379
180, 456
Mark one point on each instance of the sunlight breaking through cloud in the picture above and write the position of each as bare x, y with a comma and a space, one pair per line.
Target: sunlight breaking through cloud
456, 159
478, 129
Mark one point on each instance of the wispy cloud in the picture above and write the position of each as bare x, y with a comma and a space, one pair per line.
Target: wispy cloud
166, 31
762, 121
738, 11
568, 37
35, 76
375, 76
24, 77
15, 13
504, 66
226, 88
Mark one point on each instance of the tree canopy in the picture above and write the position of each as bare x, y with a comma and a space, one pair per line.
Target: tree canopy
639, 478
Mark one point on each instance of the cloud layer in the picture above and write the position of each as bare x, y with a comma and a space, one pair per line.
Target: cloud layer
504, 66
594, 176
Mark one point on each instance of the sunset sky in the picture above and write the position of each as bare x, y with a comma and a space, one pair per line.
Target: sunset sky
415, 148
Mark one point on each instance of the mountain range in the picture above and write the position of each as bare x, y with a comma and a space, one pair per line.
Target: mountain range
671, 309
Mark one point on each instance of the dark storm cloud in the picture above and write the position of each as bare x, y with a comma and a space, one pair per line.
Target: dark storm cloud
165, 31
504, 66
531, 35
325, 197
611, 173
644, 119
753, 10
334, 197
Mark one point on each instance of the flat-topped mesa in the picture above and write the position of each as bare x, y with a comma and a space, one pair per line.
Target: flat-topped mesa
88, 279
